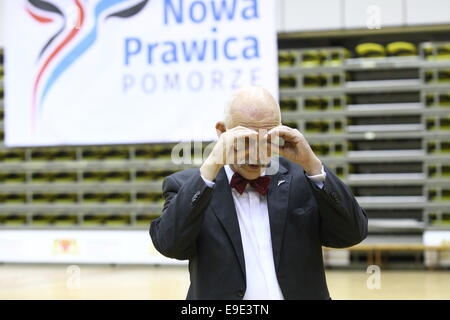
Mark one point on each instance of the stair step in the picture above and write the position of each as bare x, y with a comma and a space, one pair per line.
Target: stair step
390, 199
385, 176
384, 106
385, 153
386, 127
382, 83
395, 225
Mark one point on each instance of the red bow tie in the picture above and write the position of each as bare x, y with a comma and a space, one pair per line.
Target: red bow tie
260, 184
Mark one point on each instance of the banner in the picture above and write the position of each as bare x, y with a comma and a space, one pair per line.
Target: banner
80, 246
130, 71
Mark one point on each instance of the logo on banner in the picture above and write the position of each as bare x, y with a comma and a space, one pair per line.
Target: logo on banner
65, 246
68, 35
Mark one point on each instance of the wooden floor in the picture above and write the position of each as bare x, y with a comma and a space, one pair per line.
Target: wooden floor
146, 282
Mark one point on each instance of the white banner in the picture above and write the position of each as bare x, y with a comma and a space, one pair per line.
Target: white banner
80, 246
130, 71
437, 238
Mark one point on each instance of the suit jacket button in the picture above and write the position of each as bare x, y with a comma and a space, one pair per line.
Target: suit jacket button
240, 293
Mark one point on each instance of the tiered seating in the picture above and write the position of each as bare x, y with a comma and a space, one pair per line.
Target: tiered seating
381, 127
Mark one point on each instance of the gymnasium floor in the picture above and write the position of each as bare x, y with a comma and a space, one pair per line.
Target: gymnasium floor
145, 282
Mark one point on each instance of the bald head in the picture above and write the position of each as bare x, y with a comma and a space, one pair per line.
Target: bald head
252, 107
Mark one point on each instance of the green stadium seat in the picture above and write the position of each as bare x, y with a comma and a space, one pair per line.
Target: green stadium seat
286, 58
144, 175
42, 219
316, 126
338, 79
115, 153
117, 220
401, 49
291, 124
12, 177
338, 126
143, 152
64, 198
42, 197
91, 154
118, 176
65, 220
288, 104
339, 102
444, 75
40, 155
370, 50
431, 124
334, 57
339, 150
444, 99
437, 51
320, 149
440, 100
149, 197
313, 80
14, 220
445, 123
92, 176
145, 219
116, 197
41, 177
62, 155
13, 198
445, 170
92, 197
287, 81
313, 103
12, 156
64, 177
163, 151
310, 58
93, 220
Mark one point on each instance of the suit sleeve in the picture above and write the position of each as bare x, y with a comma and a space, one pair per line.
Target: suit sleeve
174, 233
343, 223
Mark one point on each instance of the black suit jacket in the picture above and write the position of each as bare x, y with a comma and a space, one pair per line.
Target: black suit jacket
200, 224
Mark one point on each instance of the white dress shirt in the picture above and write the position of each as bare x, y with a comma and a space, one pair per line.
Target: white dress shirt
254, 225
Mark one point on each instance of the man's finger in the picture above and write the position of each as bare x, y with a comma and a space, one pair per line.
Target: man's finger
287, 134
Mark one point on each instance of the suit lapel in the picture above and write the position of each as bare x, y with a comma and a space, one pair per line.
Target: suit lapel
223, 206
277, 202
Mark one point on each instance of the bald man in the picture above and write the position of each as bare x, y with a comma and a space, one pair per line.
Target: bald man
253, 218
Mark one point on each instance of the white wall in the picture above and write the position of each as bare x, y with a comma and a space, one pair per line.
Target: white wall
427, 12
2, 3
307, 15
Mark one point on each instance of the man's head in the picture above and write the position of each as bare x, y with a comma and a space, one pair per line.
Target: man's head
254, 108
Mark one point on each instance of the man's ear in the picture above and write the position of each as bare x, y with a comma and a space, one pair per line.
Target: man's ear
220, 128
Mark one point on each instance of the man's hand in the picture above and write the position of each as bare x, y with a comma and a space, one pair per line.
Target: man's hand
229, 145
295, 148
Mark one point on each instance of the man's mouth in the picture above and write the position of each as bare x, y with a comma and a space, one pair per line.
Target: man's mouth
256, 166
